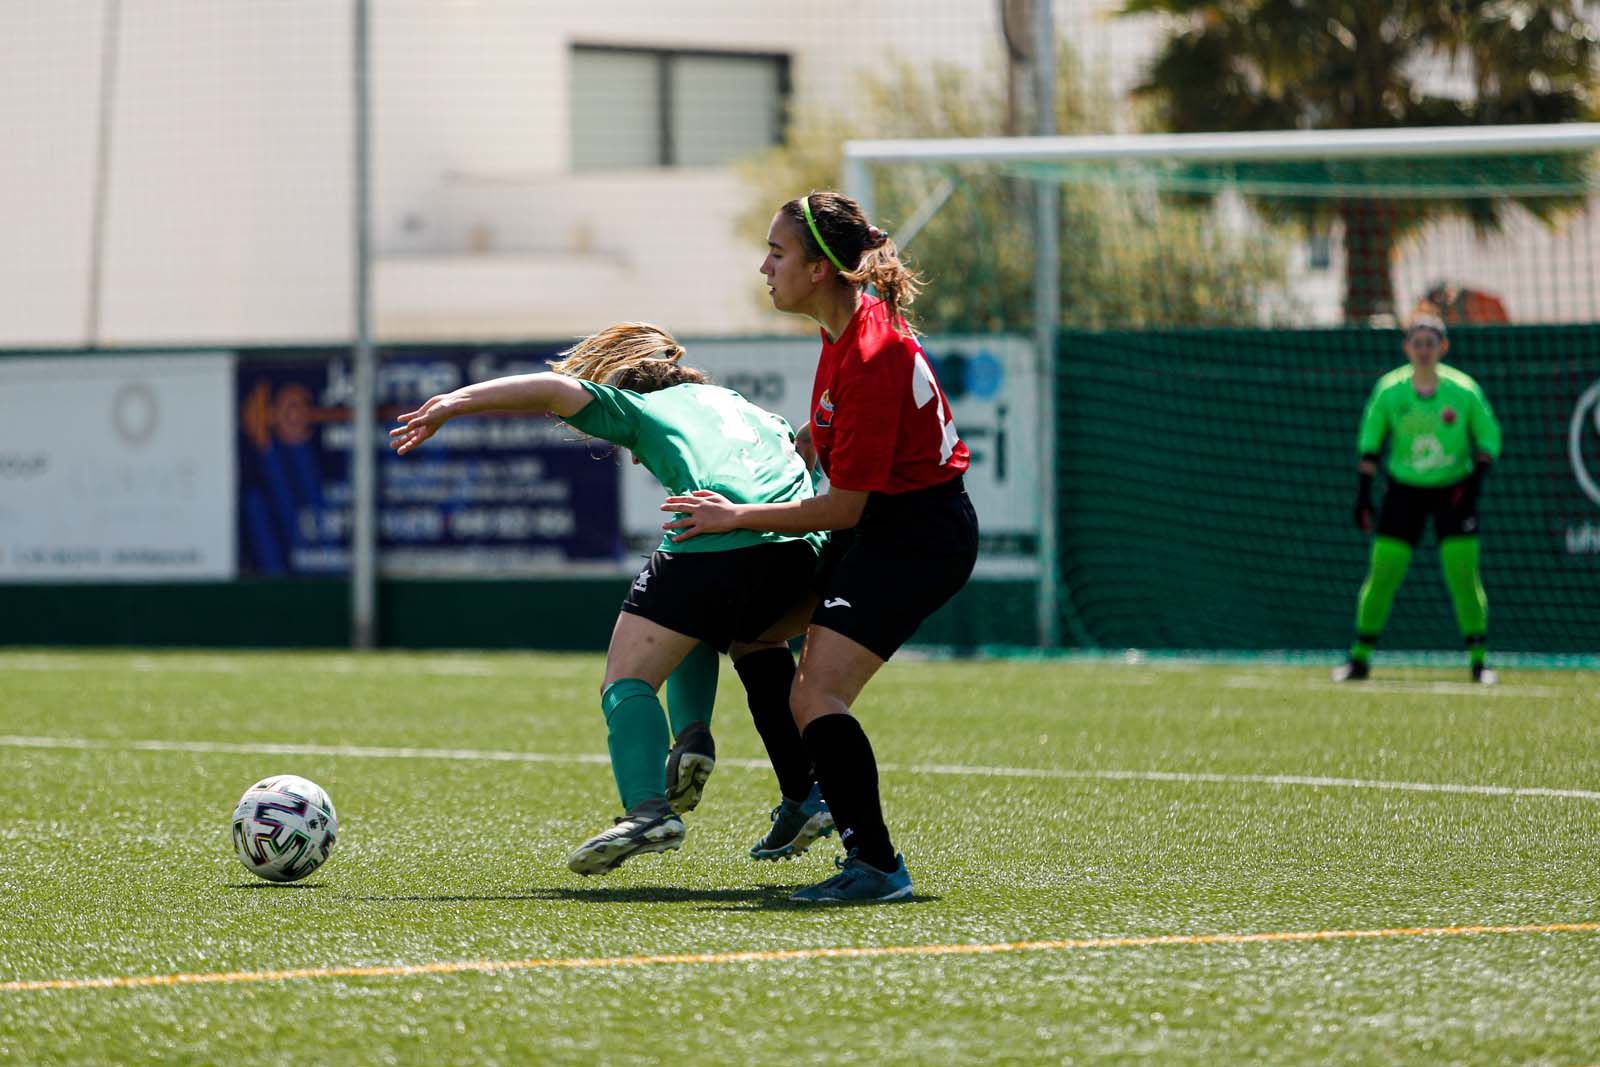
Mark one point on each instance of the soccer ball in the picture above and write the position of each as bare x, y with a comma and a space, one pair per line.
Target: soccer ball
284, 827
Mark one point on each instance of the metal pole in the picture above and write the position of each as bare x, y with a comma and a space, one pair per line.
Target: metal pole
363, 407
1046, 317
111, 27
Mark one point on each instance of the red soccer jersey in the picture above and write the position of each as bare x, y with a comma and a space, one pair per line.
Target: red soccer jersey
879, 420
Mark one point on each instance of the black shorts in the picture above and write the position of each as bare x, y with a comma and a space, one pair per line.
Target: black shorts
909, 554
722, 597
1407, 508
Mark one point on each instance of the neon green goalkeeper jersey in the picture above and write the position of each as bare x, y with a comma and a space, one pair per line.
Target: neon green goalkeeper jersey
1432, 439
704, 437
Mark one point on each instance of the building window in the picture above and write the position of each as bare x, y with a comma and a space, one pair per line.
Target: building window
637, 107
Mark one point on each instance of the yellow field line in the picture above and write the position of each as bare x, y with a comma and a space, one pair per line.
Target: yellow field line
869, 952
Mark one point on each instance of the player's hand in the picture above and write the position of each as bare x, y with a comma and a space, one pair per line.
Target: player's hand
804, 446
702, 511
419, 425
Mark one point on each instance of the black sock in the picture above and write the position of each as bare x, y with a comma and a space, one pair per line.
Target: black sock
848, 774
767, 676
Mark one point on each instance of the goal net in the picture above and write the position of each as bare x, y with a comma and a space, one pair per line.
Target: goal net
1225, 305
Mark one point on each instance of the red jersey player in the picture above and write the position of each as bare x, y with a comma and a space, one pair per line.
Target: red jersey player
905, 535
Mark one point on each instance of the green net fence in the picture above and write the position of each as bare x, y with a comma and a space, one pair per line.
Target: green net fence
1207, 479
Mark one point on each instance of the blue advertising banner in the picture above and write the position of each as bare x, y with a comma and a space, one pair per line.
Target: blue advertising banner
487, 495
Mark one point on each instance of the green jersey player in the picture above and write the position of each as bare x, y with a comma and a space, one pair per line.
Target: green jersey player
1441, 438
723, 592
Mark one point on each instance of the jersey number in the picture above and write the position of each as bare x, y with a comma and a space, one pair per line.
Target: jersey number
924, 389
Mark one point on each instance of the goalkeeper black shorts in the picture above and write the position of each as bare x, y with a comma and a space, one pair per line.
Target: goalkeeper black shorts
1407, 508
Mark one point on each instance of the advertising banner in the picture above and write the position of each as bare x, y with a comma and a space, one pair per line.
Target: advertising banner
116, 468
487, 495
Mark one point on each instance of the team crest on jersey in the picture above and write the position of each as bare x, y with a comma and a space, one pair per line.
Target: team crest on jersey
1448, 415
823, 416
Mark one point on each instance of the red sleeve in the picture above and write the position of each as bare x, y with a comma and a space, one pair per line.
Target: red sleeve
866, 417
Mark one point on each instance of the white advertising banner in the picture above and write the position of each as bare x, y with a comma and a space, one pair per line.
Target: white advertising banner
992, 384
117, 468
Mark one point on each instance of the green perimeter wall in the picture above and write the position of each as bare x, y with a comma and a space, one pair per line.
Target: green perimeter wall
550, 613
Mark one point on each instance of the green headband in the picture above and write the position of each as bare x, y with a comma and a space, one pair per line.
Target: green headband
805, 207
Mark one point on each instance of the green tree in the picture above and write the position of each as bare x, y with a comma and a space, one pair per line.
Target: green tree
1364, 64
976, 253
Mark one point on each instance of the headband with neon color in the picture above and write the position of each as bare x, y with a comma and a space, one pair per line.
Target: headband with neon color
805, 208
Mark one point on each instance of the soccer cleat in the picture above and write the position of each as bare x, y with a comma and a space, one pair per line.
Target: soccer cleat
795, 827
649, 827
693, 757
858, 880
1485, 675
1354, 670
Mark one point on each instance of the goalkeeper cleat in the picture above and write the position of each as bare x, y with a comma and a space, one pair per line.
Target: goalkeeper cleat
649, 827
1354, 670
795, 827
859, 882
1485, 675
693, 757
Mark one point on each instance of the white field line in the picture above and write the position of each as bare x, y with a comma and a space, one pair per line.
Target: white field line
950, 769
1083, 944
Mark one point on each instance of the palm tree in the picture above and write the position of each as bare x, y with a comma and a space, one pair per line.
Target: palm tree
1362, 64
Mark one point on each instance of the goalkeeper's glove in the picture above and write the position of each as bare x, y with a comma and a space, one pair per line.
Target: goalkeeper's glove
1364, 511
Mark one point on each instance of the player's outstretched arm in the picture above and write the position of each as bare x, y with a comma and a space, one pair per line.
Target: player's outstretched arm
536, 394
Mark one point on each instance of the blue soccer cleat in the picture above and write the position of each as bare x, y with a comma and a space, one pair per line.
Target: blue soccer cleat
859, 881
795, 827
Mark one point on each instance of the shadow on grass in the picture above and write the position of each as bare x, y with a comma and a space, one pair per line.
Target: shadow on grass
749, 898
755, 898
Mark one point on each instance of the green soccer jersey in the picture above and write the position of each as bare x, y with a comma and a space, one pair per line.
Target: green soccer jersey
1431, 439
704, 437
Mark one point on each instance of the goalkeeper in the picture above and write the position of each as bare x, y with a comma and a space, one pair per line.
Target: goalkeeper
1442, 438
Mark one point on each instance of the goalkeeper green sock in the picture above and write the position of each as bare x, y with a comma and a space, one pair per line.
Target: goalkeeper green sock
636, 734
692, 688
1459, 555
1390, 558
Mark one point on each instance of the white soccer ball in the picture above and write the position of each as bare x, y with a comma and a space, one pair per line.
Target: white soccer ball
284, 827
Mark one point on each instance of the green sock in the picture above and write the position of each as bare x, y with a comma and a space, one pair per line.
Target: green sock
1390, 558
636, 733
692, 688
1460, 558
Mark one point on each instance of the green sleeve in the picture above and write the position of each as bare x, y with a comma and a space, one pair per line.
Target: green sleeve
1374, 423
1485, 428
613, 415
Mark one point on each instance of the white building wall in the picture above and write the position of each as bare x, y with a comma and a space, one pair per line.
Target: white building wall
227, 210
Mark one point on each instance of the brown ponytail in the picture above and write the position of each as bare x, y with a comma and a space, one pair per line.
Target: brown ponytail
630, 355
867, 254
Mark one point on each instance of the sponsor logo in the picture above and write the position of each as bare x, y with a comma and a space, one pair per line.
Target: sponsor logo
642, 580
1583, 451
1428, 454
1585, 430
837, 602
